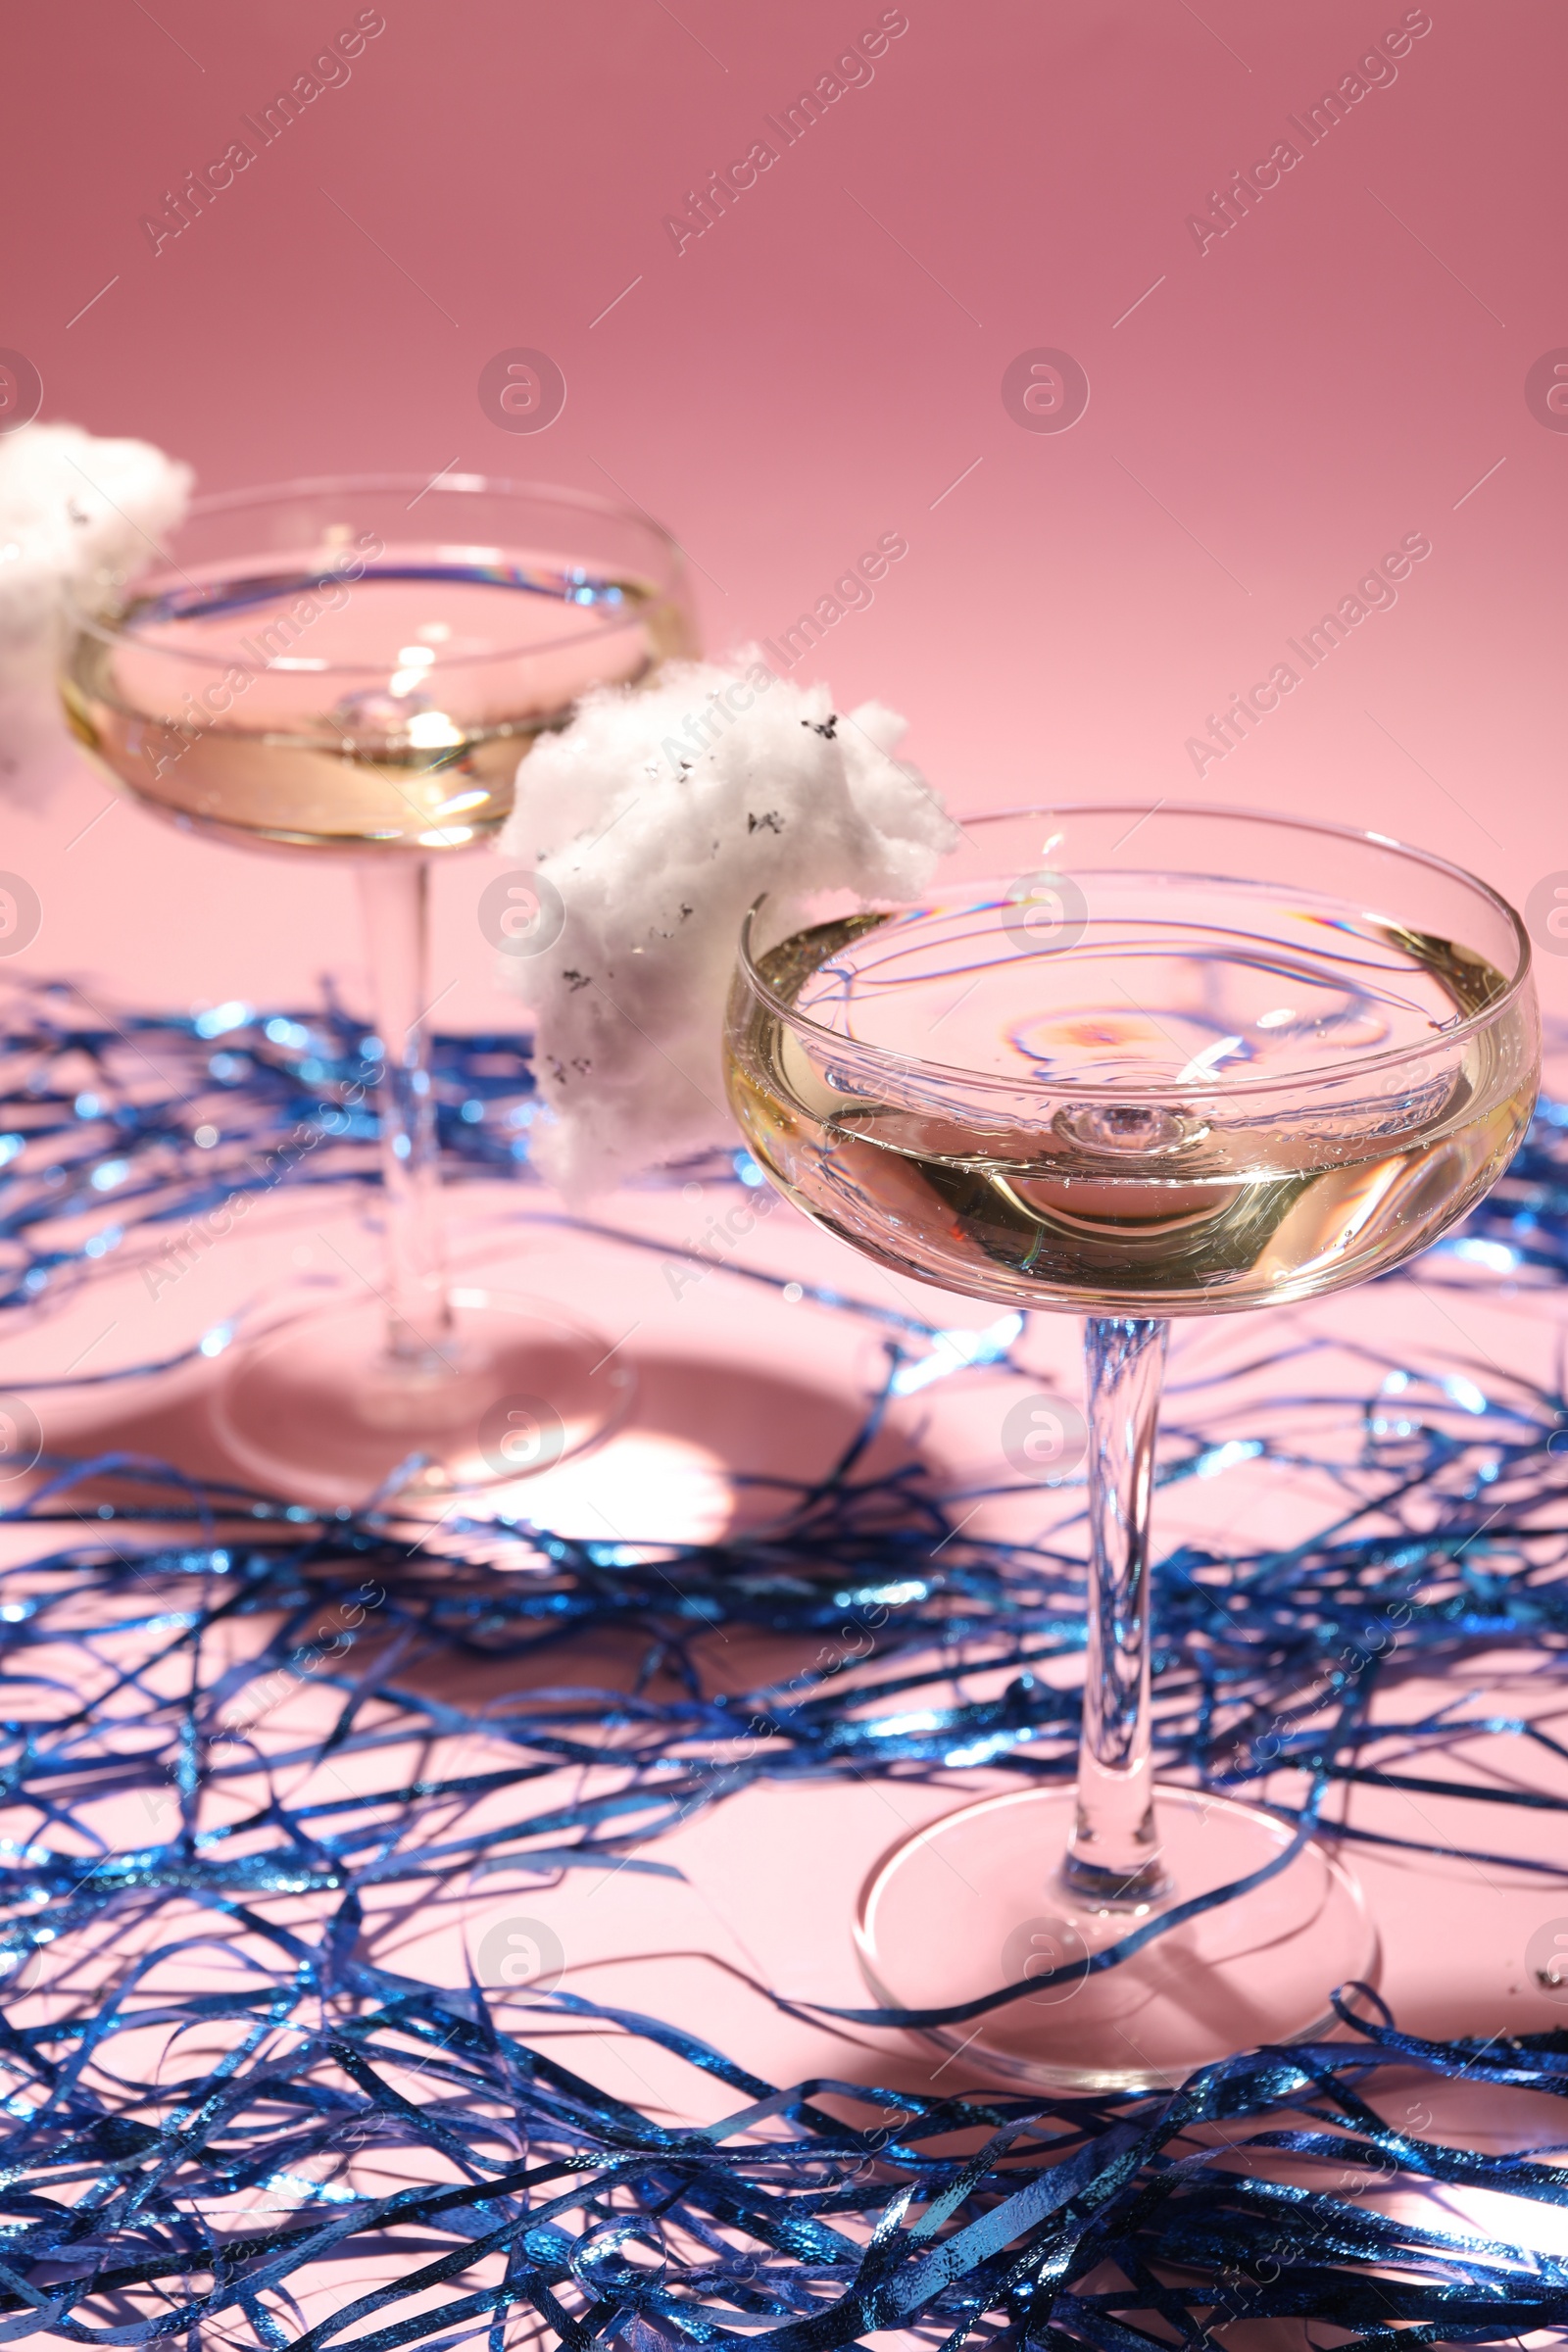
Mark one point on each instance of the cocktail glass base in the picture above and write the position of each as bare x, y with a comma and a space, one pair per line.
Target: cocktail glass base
975, 1900
319, 1410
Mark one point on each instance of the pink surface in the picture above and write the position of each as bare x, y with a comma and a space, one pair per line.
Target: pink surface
1268, 417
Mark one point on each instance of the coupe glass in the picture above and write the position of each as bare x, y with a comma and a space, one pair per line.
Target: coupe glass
354, 668
1133, 1063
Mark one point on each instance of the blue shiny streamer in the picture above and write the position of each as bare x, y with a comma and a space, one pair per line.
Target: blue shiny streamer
1268, 1661
805, 2218
534, 2197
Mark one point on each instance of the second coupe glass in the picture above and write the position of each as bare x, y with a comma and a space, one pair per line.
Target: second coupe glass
354, 666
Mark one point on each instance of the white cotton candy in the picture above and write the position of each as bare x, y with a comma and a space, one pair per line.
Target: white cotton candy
76, 513
659, 816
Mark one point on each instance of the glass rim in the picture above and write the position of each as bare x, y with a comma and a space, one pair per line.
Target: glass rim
83, 620
950, 1074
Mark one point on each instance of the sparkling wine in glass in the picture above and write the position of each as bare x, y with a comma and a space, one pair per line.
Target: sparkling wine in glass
1136, 1063
353, 667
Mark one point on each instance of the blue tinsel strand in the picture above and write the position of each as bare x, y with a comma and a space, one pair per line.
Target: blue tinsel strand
533, 2195
786, 2221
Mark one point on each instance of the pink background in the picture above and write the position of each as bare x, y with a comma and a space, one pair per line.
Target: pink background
822, 367
1277, 413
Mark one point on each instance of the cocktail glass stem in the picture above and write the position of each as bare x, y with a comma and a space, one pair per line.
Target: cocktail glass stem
1113, 1856
394, 895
